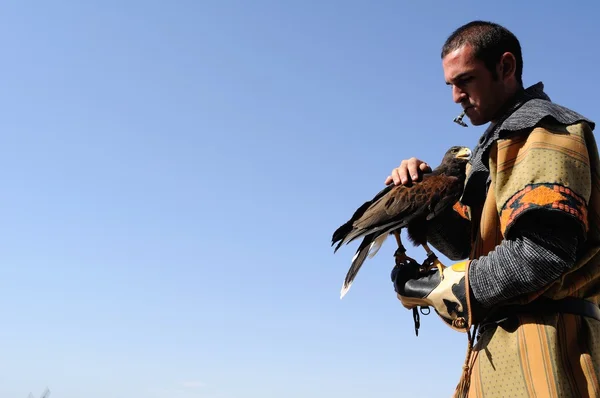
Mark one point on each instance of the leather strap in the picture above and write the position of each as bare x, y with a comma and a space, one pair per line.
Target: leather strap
568, 305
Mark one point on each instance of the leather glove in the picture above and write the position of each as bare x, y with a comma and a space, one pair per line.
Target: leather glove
406, 269
417, 285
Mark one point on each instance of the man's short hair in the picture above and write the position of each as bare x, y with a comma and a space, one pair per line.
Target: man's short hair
489, 41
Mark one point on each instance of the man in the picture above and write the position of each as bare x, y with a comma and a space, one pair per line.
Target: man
527, 229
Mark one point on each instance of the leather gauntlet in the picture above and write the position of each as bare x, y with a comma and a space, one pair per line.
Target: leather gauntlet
446, 291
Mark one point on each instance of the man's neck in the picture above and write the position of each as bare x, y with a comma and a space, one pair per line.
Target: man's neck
508, 103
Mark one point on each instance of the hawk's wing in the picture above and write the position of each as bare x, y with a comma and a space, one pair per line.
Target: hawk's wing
400, 204
342, 232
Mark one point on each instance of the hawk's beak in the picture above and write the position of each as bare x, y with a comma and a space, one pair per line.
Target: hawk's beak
464, 153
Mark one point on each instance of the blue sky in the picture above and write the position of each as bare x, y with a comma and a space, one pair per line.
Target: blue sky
172, 173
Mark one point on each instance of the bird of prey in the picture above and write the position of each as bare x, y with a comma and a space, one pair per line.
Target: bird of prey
397, 207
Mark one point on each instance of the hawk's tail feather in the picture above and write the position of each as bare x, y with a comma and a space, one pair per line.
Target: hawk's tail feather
341, 234
357, 262
376, 245
379, 230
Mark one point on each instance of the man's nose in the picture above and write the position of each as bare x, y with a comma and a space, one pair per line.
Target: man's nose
458, 95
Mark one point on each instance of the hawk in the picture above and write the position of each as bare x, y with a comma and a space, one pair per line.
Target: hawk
396, 207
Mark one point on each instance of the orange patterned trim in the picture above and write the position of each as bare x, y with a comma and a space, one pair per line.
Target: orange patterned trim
462, 210
543, 196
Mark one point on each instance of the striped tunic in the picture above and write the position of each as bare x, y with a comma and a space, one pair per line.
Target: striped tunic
555, 355
541, 183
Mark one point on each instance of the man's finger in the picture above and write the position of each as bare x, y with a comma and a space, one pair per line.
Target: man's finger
413, 168
401, 175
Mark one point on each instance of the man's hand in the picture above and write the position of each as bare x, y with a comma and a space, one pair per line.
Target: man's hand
405, 270
448, 295
410, 170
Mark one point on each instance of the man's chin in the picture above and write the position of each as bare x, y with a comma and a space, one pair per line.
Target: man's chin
477, 121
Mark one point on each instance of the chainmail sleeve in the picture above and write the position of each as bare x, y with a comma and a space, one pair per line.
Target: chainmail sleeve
540, 249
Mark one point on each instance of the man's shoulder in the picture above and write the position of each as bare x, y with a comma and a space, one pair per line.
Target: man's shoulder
542, 112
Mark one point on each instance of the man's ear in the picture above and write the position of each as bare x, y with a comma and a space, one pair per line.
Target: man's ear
507, 66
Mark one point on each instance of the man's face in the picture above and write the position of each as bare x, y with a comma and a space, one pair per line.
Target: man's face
473, 85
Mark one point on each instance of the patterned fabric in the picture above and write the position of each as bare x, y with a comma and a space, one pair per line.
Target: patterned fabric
543, 169
543, 196
549, 356
462, 210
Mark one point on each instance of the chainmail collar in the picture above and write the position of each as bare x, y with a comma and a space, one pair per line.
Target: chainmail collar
527, 109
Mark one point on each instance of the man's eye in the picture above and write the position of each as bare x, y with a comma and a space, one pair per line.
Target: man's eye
464, 81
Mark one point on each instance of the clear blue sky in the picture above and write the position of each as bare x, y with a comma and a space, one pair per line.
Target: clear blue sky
172, 173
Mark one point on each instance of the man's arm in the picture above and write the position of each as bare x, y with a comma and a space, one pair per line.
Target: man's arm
541, 248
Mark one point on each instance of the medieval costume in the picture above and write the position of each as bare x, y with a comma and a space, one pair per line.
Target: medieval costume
528, 225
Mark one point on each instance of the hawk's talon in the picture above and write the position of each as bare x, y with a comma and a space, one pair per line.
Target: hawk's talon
432, 261
400, 252
440, 268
